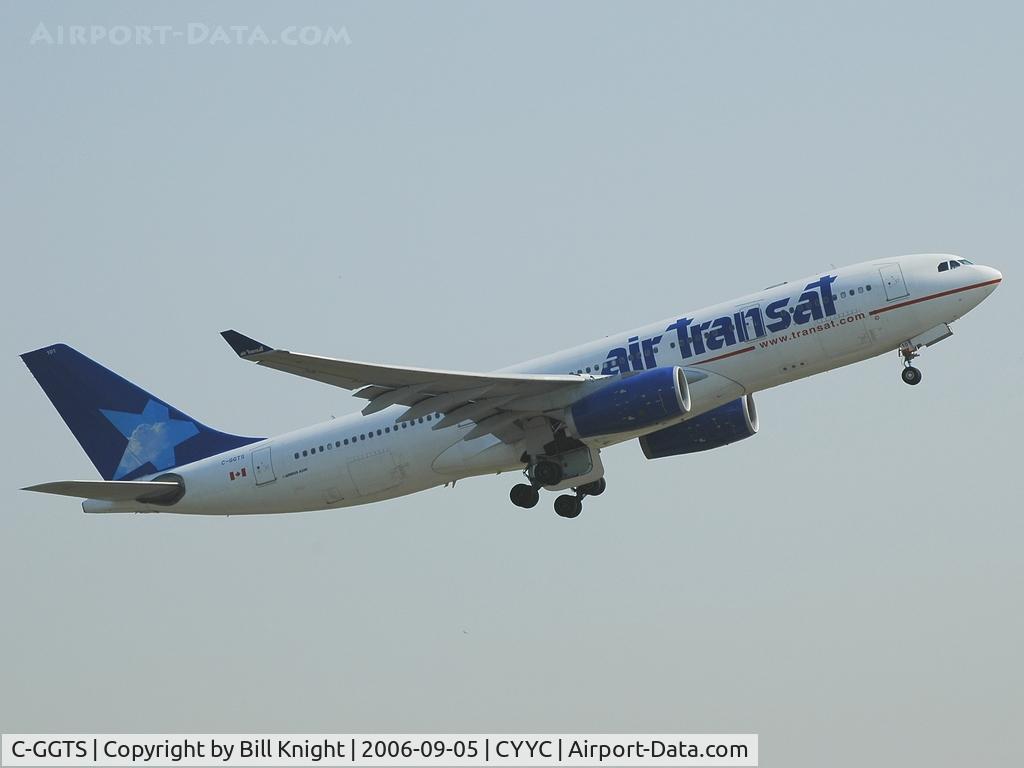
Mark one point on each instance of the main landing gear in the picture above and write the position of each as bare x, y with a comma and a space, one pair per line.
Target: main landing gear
566, 505
546, 473
910, 375
539, 474
525, 496
571, 506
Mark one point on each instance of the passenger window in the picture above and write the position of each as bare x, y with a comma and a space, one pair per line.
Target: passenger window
346, 441
387, 429
867, 287
337, 443
305, 453
296, 454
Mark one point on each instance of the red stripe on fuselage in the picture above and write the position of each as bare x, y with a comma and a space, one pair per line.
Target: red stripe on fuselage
722, 357
933, 296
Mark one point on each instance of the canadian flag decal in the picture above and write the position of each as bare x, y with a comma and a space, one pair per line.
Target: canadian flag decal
236, 475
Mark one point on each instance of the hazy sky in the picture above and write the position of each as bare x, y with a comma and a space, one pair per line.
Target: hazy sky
465, 186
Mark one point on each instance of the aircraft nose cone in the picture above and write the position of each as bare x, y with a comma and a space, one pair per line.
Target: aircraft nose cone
994, 274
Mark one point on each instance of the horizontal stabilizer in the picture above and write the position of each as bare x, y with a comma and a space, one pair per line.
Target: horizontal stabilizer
111, 490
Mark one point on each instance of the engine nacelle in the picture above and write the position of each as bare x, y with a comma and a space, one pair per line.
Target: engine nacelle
725, 424
632, 403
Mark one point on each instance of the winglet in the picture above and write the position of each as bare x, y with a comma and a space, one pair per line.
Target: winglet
243, 345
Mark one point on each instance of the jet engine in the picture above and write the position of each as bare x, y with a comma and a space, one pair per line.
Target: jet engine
631, 403
721, 426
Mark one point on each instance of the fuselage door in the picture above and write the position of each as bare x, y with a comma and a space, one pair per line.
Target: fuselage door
375, 473
750, 323
892, 279
262, 468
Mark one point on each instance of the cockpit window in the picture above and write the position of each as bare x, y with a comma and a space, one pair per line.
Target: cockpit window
954, 265
965, 261
943, 266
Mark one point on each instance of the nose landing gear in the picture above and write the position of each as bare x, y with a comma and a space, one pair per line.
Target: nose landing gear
910, 375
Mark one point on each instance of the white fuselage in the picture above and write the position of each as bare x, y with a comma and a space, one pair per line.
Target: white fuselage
357, 459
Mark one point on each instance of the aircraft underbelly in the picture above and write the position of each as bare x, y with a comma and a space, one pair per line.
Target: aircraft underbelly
476, 457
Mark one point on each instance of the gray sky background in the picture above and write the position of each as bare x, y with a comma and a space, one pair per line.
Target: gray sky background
465, 186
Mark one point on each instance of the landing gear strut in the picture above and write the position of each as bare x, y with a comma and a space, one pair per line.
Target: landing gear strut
911, 375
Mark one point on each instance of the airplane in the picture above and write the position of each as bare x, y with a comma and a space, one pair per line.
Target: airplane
679, 385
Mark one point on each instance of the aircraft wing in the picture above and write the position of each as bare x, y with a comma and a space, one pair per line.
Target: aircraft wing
494, 401
108, 490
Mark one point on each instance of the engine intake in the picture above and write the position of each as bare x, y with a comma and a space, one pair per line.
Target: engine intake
632, 403
725, 424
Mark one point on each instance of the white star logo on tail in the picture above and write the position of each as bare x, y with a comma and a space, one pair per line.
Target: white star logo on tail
152, 437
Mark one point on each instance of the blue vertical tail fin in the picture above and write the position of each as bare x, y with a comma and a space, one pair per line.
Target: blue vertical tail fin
126, 432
